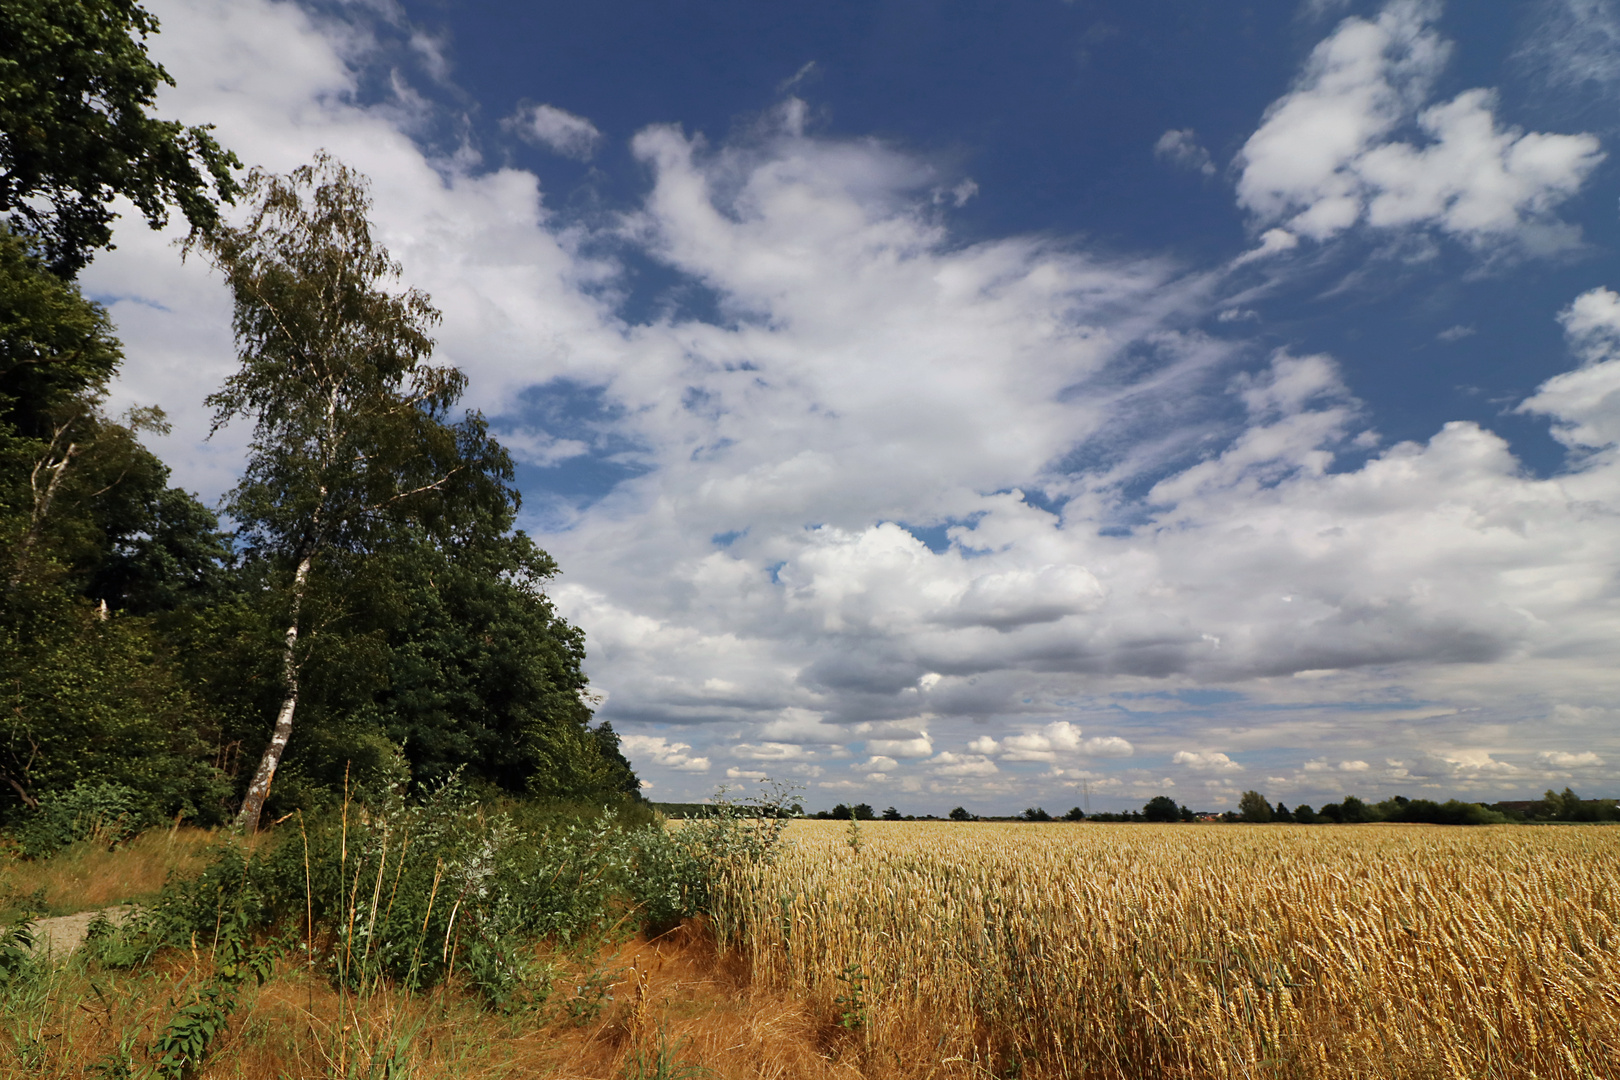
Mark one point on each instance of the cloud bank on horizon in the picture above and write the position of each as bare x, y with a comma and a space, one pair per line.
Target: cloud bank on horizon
911, 519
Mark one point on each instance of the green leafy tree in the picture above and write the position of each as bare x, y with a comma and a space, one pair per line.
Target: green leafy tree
1352, 811
863, 812
961, 814
1161, 808
480, 670
76, 85
94, 546
891, 814
1075, 814
351, 441
1254, 808
57, 352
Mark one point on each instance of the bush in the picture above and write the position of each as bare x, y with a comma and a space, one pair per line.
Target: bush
1451, 812
105, 812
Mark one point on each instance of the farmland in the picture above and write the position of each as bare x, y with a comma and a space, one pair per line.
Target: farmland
903, 950
1198, 951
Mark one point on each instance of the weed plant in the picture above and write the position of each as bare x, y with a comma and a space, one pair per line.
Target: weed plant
387, 899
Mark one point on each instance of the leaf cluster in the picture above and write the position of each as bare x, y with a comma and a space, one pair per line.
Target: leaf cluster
76, 84
349, 435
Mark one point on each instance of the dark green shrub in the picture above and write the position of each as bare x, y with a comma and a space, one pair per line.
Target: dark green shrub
106, 812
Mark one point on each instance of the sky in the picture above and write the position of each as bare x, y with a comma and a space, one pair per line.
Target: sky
998, 404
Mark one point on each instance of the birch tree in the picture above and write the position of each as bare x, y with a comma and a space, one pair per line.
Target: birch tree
350, 435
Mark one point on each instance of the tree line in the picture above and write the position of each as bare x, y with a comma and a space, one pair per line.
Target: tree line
1254, 808
361, 608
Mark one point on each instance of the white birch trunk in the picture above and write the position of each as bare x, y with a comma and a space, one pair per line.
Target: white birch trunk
42, 501
259, 790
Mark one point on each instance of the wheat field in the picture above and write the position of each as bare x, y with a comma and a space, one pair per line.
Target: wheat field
1092, 950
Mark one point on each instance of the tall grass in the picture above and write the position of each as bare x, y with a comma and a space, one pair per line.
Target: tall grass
91, 874
387, 917
1185, 951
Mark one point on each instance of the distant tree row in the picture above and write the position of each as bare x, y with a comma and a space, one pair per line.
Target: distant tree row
1254, 808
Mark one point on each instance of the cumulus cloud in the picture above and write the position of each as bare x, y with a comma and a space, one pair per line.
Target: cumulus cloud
1331, 153
1205, 761
1585, 403
660, 751
949, 764
920, 746
1181, 149
1108, 746
557, 129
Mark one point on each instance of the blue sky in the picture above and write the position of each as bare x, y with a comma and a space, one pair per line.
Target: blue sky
940, 404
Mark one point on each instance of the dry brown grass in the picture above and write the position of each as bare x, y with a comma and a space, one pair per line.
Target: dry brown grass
87, 876
672, 991
1201, 951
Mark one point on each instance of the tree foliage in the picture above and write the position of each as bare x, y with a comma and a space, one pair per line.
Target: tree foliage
1161, 808
76, 85
1254, 808
415, 619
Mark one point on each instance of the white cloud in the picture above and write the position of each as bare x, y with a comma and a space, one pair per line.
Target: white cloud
564, 133
1042, 745
920, 746
949, 764
1205, 761
877, 763
1561, 759
1585, 403
657, 748
1330, 155
1457, 333
1181, 149
1272, 242
1108, 746
770, 751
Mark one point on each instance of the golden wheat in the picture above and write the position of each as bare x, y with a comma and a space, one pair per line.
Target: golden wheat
1199, 951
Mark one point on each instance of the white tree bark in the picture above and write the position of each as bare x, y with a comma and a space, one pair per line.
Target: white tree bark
259, 789
42, 499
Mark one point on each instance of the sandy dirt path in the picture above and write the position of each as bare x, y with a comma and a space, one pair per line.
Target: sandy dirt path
59, 936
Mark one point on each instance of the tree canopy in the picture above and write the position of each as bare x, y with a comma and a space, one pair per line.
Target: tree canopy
76, 84
413, 616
